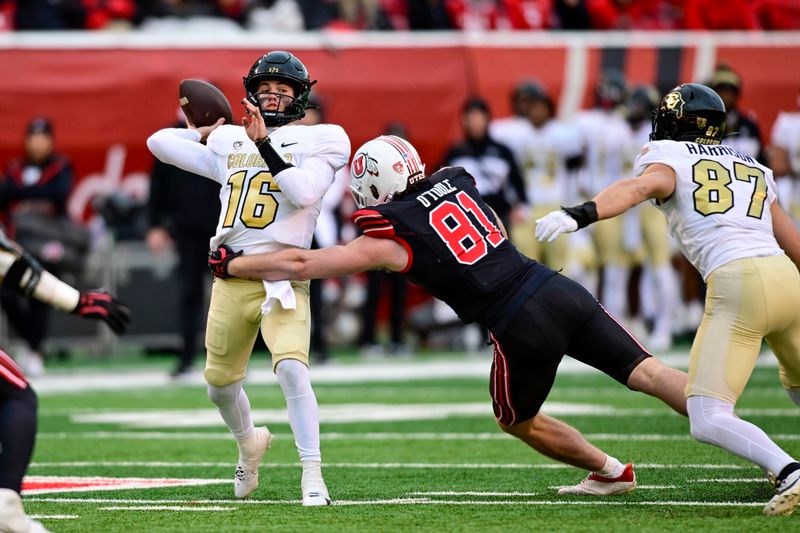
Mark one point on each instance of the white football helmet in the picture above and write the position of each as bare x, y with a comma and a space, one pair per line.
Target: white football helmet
382, 168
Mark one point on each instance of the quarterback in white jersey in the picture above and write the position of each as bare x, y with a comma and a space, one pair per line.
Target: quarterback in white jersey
722, 209
272, 186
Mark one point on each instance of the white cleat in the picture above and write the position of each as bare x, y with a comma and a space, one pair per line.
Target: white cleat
597, 485
12, 516
787, 497
251, 452
315, 493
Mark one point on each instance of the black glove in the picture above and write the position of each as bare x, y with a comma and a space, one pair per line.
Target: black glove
218, 260
101, 305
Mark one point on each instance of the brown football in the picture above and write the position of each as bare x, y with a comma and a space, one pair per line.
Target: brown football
203, 104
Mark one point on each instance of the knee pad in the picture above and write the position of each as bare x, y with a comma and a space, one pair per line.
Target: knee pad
706, 416
293, 377
224, 395
794, 394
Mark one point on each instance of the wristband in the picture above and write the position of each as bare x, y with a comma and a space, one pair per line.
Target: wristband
274, 161
584, 214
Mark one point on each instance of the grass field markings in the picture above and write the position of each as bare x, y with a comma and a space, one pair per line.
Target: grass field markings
645, 487
469, 493
454, 466
397, 501
730, 480
165, 508
369, 436
54, 516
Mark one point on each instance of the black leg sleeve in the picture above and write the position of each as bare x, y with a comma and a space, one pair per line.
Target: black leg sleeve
17, 433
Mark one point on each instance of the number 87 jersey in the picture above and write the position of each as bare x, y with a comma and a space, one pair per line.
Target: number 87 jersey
455, 248
720, 209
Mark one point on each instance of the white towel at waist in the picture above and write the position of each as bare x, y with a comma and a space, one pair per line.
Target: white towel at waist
280, 291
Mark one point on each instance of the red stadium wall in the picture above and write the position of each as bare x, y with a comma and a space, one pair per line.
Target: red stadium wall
106, 95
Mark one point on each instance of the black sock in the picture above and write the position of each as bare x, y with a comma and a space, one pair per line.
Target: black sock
788, 469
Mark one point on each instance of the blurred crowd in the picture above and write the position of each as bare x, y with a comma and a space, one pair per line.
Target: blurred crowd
525, 165
470, 15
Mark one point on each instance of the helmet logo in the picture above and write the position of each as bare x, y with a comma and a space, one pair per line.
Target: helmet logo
398, 167
701, 122
674, 102
273, 69
359, 165
372, 166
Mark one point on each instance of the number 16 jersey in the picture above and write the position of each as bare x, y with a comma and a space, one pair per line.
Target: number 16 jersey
720, 209
455, 249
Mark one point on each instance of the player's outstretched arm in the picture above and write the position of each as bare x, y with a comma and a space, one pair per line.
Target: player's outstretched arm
364, 253
183, 149
20, 272
657, 181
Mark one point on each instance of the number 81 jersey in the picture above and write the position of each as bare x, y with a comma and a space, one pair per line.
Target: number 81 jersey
720, 209
256, 214
455, 249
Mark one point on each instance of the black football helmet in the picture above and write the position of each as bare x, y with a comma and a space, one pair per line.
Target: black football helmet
690, 112
643, 100
528, 90
610, 90
283, 66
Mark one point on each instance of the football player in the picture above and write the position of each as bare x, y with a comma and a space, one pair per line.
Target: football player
439, 232
784, 158
549, 156
270, 195
607, 137
20, 272
722, 209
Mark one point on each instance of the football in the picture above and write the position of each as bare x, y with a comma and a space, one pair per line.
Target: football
203, 104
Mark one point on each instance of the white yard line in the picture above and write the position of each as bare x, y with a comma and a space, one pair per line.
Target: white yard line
166, 508
454, 466
178, 504
370, 436
470, 493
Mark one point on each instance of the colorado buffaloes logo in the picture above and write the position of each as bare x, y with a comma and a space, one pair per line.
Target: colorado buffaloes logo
674, 102
701, 123
237, 145
359, 165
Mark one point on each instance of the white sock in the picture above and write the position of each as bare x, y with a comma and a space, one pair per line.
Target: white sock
234, 406
612, 467
794, 394
301, 404
712, 421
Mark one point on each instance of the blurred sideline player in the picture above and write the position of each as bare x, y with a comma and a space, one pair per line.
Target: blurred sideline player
607, 137
548, 154
784, 158
443, 236
722, 209
659, 287
271, 193
22, 273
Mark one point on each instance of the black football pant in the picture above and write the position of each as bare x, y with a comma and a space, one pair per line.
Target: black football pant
193, 276
17, 433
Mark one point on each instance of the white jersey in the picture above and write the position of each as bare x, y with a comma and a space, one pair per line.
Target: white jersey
541, 154
786, 135
608, 139
261, 212
720, 210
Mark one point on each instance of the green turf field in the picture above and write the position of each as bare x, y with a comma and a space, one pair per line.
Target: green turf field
419, 455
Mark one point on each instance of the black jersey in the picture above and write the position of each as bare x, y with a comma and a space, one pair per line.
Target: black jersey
455, 249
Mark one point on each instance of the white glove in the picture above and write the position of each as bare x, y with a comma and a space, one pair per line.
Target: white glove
553, 224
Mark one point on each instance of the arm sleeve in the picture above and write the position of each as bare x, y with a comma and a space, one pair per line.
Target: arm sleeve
182, 148
306, 183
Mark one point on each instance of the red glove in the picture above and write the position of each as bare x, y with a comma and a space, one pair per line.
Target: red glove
100, 305
218, 260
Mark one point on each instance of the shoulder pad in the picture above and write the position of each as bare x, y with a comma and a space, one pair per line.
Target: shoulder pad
373, 223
